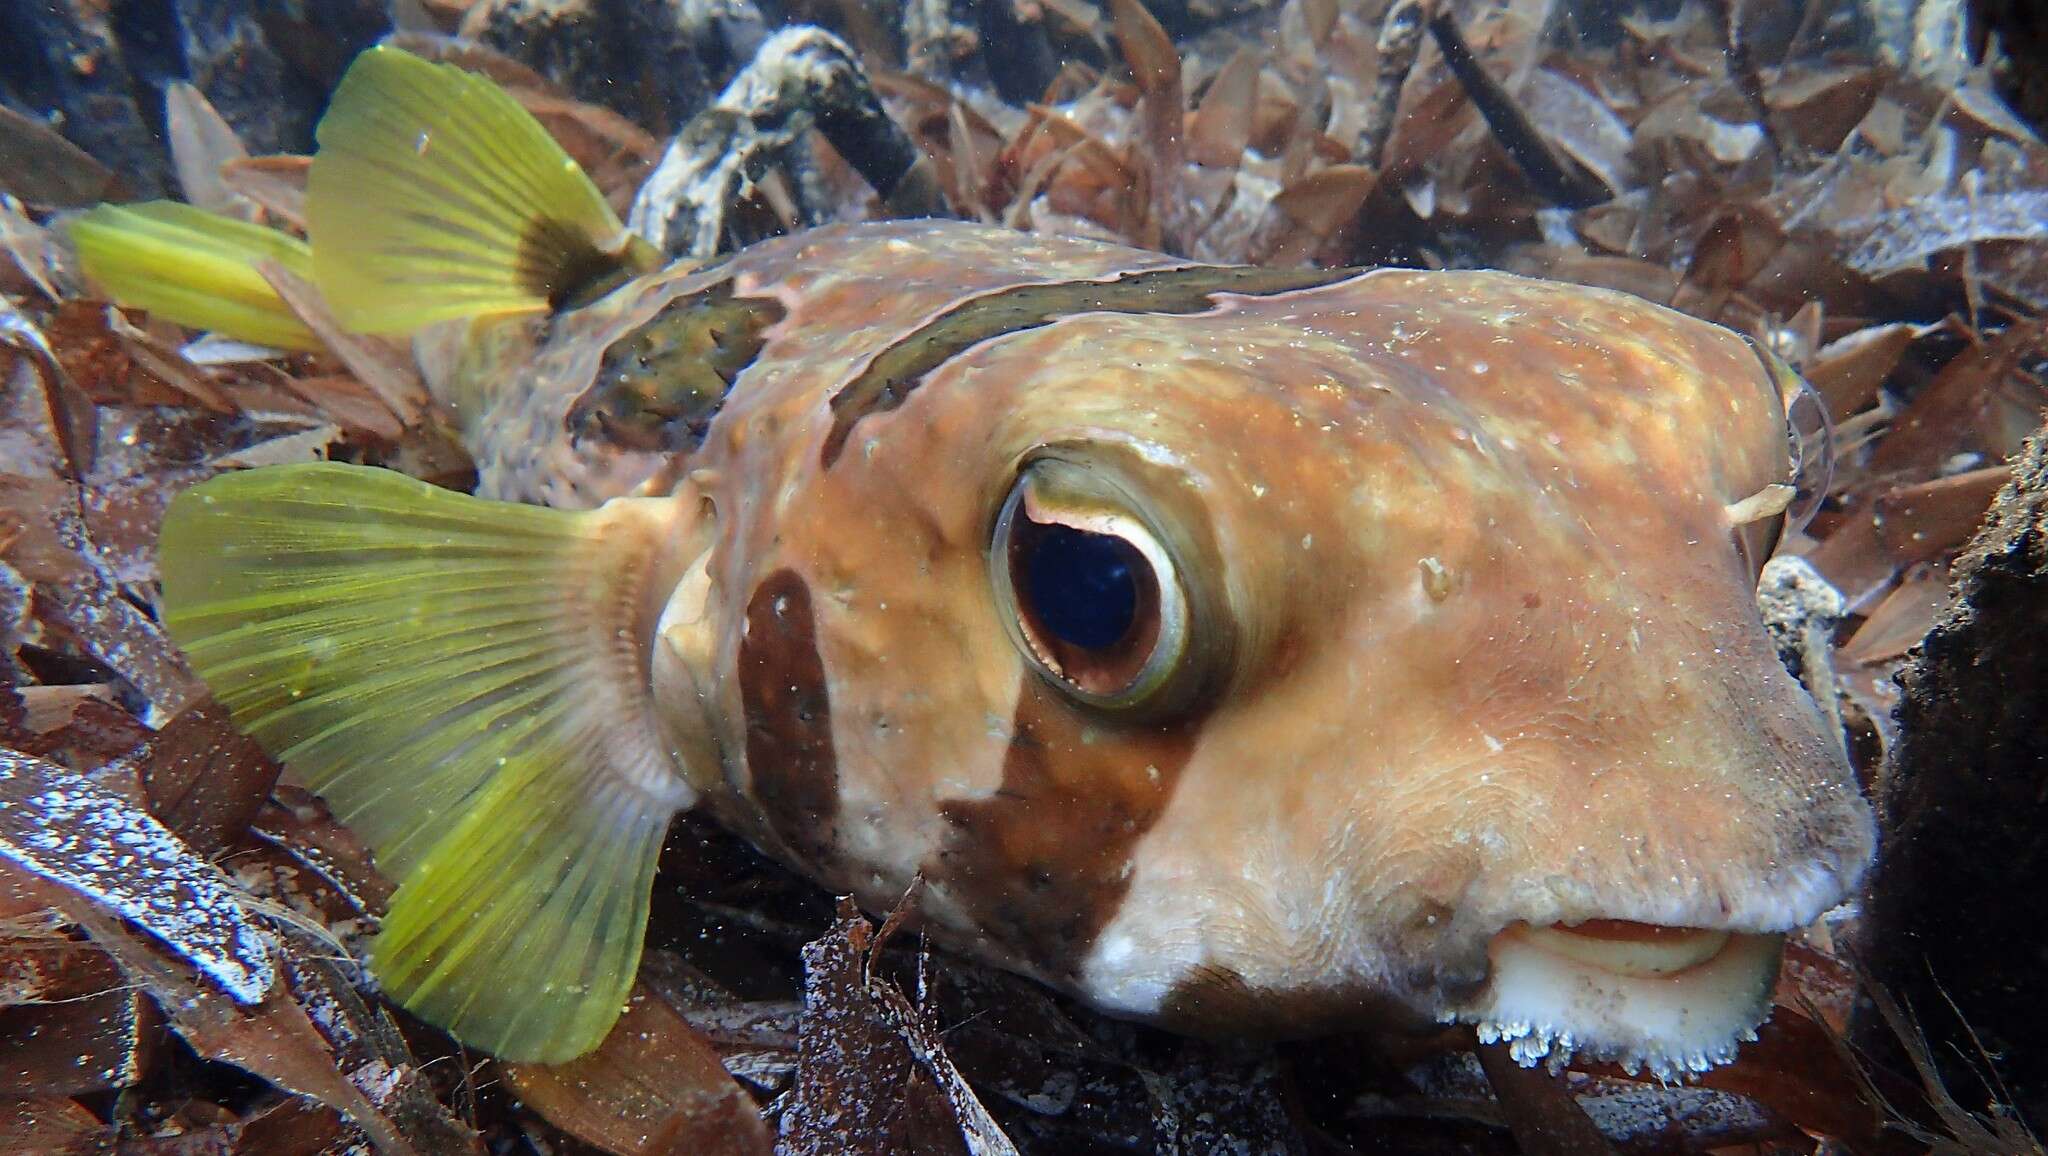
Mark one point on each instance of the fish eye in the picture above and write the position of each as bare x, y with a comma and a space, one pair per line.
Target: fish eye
1090, 591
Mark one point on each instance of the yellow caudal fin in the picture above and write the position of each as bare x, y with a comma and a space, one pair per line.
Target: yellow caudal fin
193, 267
461, 680
434, 196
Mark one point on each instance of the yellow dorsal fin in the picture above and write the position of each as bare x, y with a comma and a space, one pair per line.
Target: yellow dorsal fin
461, 680
434, 196
193, 267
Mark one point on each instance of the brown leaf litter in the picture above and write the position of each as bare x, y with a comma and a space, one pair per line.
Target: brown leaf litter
180, 934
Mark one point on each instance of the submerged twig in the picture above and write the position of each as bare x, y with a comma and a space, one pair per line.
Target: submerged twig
802, 77
1727, 17
1155, 66
1954, 1129
1399, 44
1542, 1114
1551, 175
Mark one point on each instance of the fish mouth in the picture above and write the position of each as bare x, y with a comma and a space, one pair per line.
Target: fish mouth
1671, 1000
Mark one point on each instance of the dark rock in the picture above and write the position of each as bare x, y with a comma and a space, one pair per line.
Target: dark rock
655, 62
97, 72
2021, 70
230, 60
1957, 911
65, 64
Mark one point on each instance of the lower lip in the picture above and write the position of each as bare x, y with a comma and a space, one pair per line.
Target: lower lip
1620, 947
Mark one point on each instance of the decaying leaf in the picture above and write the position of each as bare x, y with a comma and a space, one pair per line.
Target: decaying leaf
852, 1070
202, 143
1898, 623
1879, 228
97, 1041
1222, 125
300, 827
1928, 519
1540, 1109
378, 364
79, 595
1849, 371
276, 184
873, 1075
27, 356
50, 1124
1905, 237
70, 830
39, 166
655, 1086
274, 1039
204, 779
37, 259
1155, 65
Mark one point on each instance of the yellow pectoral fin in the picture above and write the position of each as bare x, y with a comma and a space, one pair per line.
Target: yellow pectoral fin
195, 268
465, 682
520, 932
434, 196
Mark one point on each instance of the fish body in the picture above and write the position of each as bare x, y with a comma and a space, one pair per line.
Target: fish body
1247, 651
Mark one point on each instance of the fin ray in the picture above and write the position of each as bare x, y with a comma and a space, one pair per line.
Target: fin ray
196, 268
448, 673
435, 196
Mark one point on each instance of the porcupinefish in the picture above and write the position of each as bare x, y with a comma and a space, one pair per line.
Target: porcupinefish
1241, 650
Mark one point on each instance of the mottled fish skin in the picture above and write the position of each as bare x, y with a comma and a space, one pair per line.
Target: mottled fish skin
1493, 653
850, 291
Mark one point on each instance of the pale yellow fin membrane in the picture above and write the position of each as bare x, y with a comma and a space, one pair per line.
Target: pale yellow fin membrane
434, 196
196, 268
448, 673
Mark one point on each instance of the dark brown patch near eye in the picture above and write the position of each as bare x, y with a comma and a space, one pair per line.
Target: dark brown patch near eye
893, 374
1042, 863
790, 760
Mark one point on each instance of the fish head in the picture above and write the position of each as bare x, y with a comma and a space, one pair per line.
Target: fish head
1385, 649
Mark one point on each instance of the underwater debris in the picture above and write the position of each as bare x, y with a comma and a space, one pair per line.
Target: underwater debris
1552, 174
1802, 612
657, 61
657, 1083
869, 1069
1945, 1126
39, 165
1891, 255
1399, 42
1963, 800
803, 77
1540, 1110
65, 828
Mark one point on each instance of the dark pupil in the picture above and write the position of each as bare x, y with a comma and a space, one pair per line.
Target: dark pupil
1080, 586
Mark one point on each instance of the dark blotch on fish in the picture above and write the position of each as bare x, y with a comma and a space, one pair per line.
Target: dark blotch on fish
1065, 821
790, 758
561, 265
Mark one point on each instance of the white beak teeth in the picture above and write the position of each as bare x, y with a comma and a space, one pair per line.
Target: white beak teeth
1673, 1000
1627, 949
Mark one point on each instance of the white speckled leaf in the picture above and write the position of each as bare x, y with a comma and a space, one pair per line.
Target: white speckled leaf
65, 828
1905, 237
